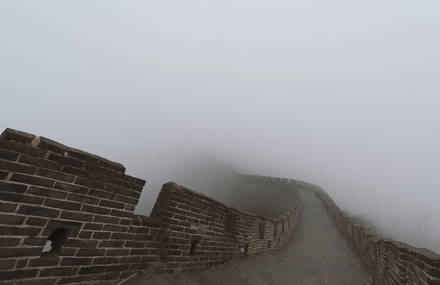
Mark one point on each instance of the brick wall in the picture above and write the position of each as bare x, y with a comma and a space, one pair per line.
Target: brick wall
84, 205
389, 262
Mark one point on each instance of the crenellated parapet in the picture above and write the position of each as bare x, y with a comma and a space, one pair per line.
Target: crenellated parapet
66, 217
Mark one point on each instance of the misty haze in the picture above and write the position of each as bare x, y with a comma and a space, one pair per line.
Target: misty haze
215, 95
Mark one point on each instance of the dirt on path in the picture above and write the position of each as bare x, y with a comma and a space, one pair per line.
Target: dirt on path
316, 254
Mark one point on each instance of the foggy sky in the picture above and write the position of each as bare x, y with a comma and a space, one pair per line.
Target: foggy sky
344, 94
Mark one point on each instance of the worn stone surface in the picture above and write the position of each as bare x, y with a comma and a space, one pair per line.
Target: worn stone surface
316, 254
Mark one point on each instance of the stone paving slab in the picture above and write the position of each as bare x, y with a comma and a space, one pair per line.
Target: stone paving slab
316, 254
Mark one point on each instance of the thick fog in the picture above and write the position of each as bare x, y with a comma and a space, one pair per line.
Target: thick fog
344, 94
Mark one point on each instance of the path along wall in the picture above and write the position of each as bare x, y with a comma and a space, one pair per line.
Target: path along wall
387, 261
82, 205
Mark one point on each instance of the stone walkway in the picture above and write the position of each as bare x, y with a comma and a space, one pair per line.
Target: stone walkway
316, 254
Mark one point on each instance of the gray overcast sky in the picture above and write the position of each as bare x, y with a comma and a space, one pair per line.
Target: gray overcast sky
341, 93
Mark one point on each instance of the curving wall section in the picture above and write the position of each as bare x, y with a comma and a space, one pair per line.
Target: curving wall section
66, 216
388, 262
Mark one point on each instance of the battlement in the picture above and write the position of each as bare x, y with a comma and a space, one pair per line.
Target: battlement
82, 205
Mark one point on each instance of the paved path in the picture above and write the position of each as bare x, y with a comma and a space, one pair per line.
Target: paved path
316, 254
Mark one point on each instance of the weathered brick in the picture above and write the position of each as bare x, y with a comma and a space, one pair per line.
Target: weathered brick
129, 207
112, 165
104, 219
65, 160
58, 271
51, 145
7, 207
85, 234
80, 243
11, 219
117, 267
84, 199
125, 177
105, 260
36, 221
38, 211
101, 235
143, 251
21, 198
12, 187
17, 167
68, 252
7, 264
70, 188
111, 243
136, 244
90, 252
84, 156
76, 216
111, 204
17, 252
5, 242
76, 261
140, 266
19, 231
18, 274
123, 236
139, 230
130, 259
84, 181
74, 280
92, 270
55, 175
102, 194
140, 181
18, 136
126, 199
93, 226
21, 148
144, 237
133, 194
101, 171
44, 261
76, 171
117, 252
123, 214
21, 263
125, 222
45, 281
108, 276
8, 155
114, 188
62, 204
35, 241
40, 162
115, 228
96, 210
33, 180
45, 192
135, 187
